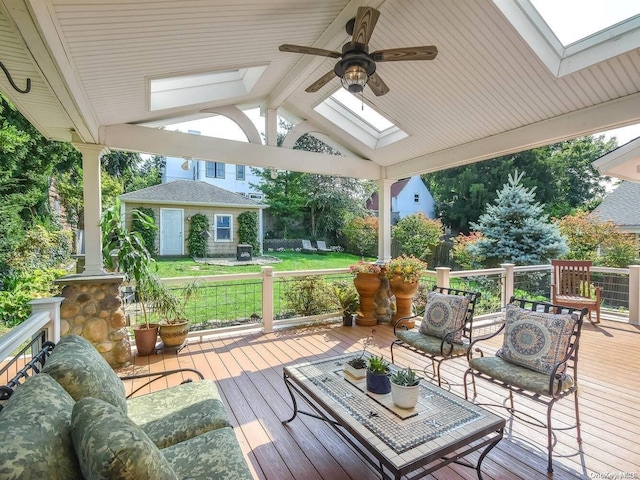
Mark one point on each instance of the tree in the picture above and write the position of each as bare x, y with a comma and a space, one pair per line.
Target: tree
516, 230
417, 234
362, 234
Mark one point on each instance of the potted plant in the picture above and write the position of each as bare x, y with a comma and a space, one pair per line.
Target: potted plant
378, 375
357, 366
405, 388
174, 325
367, 282
403, 273
346, 297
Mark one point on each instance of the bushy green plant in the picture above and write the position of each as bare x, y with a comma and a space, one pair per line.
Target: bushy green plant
346, 297
406, 378
378, 364
462, 255
308, 295
248, 230
417, 234
41, 248
362, 234
20, 287
147, 230
196, 243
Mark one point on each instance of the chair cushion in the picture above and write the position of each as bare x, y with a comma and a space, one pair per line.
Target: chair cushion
210, 456
179, 413
429, 344
536, 340
36, 432
110, 445
83, 372
443, 314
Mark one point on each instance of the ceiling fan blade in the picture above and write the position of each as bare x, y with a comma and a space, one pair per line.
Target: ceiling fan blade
366, 20
321, 82
377, 85
406, 53
309, 50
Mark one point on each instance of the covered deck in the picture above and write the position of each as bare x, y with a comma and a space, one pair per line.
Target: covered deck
248, 371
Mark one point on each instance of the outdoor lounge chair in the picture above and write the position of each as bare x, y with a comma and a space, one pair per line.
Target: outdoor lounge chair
572, 286
322, 247
538, 360
307, 248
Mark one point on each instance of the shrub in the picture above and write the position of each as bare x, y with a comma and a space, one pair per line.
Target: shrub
308, 295
41, 249
21, 288
463, 255
248, 230
362, 234
196, 243
417, 235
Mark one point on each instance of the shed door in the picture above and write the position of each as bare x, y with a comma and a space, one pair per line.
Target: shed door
171, 223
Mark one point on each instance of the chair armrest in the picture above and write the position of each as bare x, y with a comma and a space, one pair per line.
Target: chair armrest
395, 325
152, 377
482, 338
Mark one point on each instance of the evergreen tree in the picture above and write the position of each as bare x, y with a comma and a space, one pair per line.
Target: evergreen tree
516, 230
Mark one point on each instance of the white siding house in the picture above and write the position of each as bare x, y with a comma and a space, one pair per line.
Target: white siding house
408, 196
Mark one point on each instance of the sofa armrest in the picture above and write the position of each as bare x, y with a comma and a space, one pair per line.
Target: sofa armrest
153, 377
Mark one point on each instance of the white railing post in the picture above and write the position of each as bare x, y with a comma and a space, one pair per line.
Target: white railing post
634, 294
52, 307
267, 299
508, 282
442, 276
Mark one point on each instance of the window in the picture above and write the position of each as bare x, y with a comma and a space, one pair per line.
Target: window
416, 198
239, 172
223, 226
215, 169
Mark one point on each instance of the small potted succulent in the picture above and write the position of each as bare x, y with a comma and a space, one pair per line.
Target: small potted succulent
378, 375
356, 367
405, 388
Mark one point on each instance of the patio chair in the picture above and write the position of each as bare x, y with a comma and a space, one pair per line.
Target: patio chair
572, 286
322, 247
307, 248
538, 360
446, 328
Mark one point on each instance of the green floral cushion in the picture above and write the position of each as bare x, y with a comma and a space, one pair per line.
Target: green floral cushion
210, 456
443, 314
83, 372
110, 445
35, 426
535, 340
179, 412
430, 344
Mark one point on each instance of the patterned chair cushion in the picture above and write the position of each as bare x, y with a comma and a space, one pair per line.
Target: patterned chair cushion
110, 445
83, 372
179, 413
211, 456
535, 340
518, 376
429, 344
444, 313
36, 432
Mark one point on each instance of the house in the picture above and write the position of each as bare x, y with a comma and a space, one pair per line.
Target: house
622, 207
174, 204
408, 196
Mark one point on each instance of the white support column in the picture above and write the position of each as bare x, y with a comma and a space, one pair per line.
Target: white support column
442, 277
634, 294
508, 282
91, 186
271, 127
267, 299
384, 219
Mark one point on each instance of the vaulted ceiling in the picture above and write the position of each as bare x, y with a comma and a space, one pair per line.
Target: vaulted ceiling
492, 89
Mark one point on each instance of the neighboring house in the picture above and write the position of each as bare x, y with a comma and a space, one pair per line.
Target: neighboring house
622, 207
408, 196
234, 178
174, 204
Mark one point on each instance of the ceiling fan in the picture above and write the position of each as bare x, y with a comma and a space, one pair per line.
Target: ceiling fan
357, 67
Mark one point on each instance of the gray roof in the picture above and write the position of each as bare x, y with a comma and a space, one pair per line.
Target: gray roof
621, 206
190, 192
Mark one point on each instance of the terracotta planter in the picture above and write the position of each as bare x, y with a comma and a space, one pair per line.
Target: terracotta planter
146, 338
378, 382
404, 292
403, 396
174, 334
367, 285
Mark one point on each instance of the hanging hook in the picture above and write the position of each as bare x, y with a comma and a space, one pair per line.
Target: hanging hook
26, 90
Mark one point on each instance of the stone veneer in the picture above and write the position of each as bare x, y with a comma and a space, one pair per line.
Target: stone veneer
92, 308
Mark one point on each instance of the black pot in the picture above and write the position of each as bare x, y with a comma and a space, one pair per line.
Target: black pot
347, 320
378, 382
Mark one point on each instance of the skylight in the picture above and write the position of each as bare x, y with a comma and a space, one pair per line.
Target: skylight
360, 120
192, 89
574, 20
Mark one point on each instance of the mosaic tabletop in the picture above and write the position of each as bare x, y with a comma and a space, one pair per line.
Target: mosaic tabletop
440, 418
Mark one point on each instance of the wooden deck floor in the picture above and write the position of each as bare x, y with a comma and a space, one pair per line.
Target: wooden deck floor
248, 372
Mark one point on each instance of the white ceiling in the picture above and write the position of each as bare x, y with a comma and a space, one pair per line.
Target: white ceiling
486, 94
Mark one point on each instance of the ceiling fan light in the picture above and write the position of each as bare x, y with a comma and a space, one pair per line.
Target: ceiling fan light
355, 77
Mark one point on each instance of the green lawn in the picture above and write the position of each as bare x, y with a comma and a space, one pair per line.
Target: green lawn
186, 267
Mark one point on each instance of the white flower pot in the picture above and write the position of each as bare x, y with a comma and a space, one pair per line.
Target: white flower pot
356, 373
403, 396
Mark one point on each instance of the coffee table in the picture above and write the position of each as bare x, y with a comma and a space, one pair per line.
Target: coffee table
443, 428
